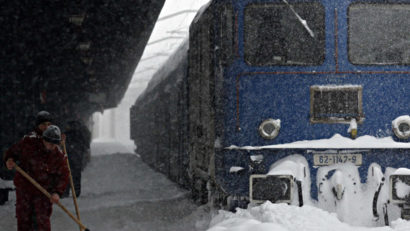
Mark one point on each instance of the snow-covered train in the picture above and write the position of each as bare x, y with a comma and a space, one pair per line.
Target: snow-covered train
300, 102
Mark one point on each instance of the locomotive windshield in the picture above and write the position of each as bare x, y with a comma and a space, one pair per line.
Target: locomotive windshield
273, 34
379, 34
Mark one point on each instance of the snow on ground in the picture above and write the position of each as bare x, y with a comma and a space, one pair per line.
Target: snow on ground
282, 217
110, 146
121, 193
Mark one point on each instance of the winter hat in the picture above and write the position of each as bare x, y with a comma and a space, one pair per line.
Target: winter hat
42, 117
52, 134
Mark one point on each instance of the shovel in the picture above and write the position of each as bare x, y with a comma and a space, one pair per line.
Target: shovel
77, 211
39, 187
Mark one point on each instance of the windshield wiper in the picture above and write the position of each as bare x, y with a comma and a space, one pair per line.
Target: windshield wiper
301, 20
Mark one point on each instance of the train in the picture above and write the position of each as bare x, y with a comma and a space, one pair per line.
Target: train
304, 102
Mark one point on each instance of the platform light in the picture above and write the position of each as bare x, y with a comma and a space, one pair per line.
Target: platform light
87, 60
275, 188
269, 128
77, 19
90, 71
84, 46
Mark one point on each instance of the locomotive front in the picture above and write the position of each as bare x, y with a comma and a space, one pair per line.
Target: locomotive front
316, 106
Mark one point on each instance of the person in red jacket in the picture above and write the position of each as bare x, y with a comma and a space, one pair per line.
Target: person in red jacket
42, 159
43, 119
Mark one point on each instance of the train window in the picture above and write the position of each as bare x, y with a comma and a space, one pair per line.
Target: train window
274, 34
379, 34
227, 31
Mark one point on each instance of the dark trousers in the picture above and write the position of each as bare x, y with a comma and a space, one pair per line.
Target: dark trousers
76, 174
32, 211
4, 195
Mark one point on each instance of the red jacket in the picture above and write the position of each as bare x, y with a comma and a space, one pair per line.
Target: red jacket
48, 168
37, 133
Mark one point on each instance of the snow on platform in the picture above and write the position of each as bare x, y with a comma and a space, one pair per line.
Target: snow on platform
121, 193
110, 146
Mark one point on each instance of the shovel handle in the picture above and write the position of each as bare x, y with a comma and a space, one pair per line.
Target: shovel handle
77, 211
39, 187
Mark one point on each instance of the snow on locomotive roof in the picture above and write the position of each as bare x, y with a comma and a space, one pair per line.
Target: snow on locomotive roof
335, 142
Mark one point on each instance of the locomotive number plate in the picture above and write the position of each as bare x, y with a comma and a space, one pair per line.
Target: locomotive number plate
329, 159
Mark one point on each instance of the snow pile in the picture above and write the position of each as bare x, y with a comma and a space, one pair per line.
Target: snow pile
296, 166
337, 141
341, 192
402, 189
282, 217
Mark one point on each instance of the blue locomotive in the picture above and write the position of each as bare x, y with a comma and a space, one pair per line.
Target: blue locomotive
299, 101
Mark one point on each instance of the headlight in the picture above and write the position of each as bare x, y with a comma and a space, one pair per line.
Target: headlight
269, 129
401, 127
275, 188
400, 188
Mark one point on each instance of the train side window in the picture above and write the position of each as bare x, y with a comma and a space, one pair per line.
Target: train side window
195, 54
273, 34
226, 33
379, 34
205, 48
